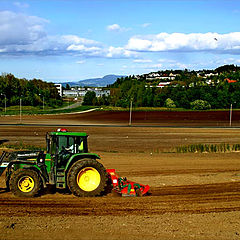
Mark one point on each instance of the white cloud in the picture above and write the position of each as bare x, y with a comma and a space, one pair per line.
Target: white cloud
227, 61
159, 65
80, 62
180, 42
116, 28
144, 25
26, 35
119, 52
164, 60
21, 4
113, 27
73, 39
82, 48
162, 64
138, 44
20, 29
22, 34
142, 60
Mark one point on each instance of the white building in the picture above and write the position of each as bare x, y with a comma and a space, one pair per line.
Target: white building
211, 74
59, 88
154, 76
70, 93
163, 84
81, 92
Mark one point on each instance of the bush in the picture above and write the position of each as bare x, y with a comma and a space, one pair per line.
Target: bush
200, 105
210, 148
169, 103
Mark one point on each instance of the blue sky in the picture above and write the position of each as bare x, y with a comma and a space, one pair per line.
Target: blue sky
73, 40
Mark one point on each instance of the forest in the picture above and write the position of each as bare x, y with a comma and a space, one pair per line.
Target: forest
31, 92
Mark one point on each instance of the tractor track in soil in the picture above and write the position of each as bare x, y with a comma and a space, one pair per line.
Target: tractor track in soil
207, 198
179, 172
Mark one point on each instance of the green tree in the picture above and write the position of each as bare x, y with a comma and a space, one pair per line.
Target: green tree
89, 98
169, 103
200, 105
67, 87
29, 91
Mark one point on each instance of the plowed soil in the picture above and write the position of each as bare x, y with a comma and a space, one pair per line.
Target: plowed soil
194, 195
154, 118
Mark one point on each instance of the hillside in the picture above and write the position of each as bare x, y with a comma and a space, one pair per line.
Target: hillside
189, 89
95, 82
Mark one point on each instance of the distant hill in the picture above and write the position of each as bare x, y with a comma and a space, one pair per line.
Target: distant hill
95, 82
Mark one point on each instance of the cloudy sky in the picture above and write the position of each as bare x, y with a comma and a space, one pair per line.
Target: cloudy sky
68, 40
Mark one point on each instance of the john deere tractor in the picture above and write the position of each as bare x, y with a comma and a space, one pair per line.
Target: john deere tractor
67, 164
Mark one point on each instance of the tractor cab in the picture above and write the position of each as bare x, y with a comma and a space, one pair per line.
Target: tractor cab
69, 142
61, 145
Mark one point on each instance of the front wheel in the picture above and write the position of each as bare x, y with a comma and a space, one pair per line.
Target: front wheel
87, 178
25, 183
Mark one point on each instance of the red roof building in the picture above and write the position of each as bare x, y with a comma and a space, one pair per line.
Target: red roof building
230, 81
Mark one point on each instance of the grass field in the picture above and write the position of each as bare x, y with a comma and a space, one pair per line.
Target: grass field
29, 110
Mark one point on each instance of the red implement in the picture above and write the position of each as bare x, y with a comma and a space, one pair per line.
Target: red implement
126, 187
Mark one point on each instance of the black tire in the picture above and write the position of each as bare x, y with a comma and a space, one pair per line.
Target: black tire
17, 179
109, 187
76, 169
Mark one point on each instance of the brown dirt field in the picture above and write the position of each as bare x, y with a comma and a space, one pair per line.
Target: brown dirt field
194, 196
159, 118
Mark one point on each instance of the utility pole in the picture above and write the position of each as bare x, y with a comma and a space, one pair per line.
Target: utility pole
20, 110
5, 102
230, 117
130, 114
43, 99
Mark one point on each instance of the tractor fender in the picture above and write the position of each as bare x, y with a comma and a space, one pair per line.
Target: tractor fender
79, 156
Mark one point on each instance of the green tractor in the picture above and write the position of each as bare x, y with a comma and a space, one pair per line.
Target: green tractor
67, 164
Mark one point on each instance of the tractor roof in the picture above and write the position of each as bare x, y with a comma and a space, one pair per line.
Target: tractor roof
77, 134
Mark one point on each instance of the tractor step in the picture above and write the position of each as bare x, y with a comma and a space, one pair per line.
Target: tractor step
61, 179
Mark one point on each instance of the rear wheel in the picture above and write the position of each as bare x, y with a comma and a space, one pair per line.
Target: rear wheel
87, 178
25, 183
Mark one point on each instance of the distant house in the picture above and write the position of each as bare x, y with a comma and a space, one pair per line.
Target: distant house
154, 76
230, 81
210, 74
172, 76
209, 82
163, 84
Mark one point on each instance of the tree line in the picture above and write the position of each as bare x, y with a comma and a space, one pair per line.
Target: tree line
189, 90
31, 92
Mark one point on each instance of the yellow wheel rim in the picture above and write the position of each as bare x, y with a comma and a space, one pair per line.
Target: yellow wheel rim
88, 179
26, 184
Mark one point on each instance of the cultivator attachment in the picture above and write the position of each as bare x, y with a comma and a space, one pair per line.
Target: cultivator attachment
125, 187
